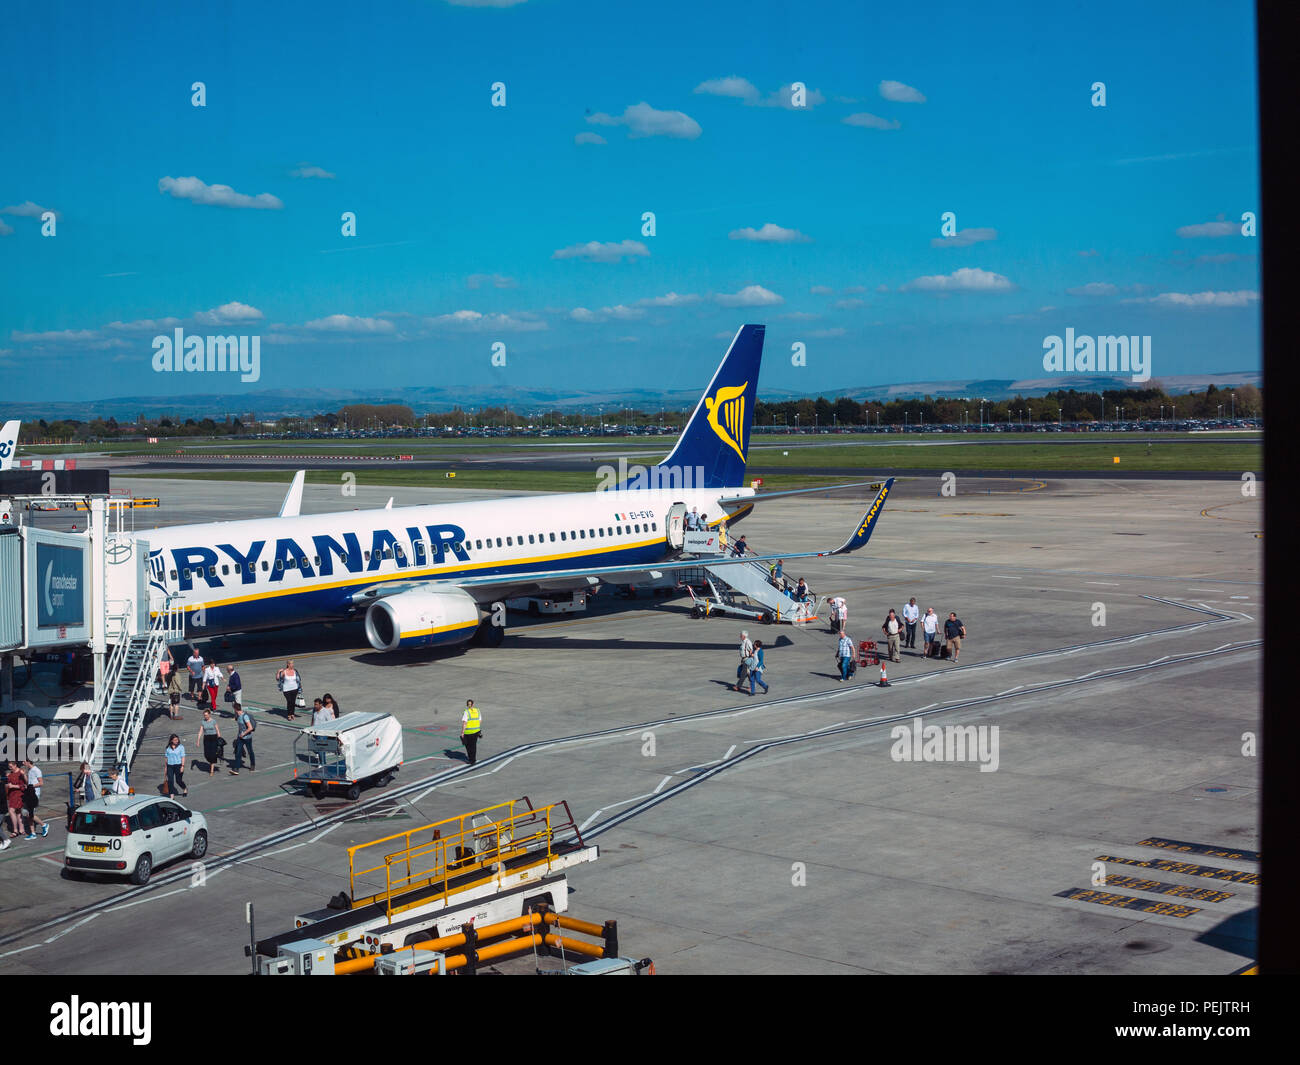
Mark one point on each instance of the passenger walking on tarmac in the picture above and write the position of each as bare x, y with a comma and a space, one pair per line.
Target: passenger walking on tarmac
15, 785
209, 735
317, 713
244, 728
911, 613
930, 629
746, 655
756, 674
954, 631
118, 784
844, 653
235, 689
174, 760
471, 728
32, 798
195, 665
839, 613
890, 629
212, 678
174, 706
289, 681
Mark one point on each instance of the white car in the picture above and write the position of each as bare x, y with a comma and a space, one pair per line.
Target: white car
131, 834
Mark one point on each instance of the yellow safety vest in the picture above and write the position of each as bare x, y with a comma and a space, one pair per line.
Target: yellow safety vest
475, 721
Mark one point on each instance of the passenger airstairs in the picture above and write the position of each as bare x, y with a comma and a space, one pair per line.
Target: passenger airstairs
742, 589
122, 700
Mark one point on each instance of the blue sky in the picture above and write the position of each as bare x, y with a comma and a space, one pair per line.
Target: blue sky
479, 224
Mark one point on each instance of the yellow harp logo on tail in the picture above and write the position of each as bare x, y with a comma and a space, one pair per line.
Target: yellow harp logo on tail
729, 405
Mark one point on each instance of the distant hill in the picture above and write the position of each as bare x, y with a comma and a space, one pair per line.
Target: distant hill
306, 401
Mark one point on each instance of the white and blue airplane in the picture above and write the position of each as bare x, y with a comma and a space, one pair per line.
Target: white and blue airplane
425, 576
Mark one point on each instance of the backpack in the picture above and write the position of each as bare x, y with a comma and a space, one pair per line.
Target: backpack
252, 722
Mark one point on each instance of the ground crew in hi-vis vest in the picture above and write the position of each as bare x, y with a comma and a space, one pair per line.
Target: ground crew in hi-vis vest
471, 726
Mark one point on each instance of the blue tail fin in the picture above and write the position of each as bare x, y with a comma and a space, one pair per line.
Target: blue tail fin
711, 451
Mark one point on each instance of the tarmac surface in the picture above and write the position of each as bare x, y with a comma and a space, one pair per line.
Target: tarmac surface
1114, 644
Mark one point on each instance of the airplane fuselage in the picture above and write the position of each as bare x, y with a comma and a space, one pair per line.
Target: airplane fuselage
272, 572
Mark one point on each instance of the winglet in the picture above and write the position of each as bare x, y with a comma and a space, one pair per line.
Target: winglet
868, 523
8, 444
292, 504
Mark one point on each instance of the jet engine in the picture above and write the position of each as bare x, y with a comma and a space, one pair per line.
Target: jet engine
421, 618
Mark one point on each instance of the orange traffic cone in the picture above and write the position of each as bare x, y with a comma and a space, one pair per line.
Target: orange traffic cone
884, 679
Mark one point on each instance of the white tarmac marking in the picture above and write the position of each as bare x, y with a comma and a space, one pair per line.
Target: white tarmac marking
1001, 577
325, 833
660, 786
1238, 597
1009, 691
823, 728
730, 751
72, 928
148, 898
19, 950
1108, 584
918, 571
923, 709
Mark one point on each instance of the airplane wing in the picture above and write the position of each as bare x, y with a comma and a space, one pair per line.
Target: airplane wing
514, 585
735, 502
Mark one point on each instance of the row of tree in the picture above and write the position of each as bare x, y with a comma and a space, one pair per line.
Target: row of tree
1133, 404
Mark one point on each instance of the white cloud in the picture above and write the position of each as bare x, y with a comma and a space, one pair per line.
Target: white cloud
739, 88
5, 229
145, 325
964, 238
900, 93
855, 290
587, 137
495, 280
749, 296
28, 209
620, 312
1093, 288
850, 304
191, 188
867, 120
595, 251
823, 334
821, 290
967, 279
56, 336
1210, 229
1240, 298
770, 233
486, 3
671, 299
801, 316
642, 120
1089, 254
1223, 257
306, 171
346, 323
230, 312
474, 322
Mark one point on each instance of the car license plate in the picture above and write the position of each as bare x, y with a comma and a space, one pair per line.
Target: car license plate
94, 848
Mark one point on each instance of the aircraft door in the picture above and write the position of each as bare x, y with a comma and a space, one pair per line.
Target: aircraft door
675, 523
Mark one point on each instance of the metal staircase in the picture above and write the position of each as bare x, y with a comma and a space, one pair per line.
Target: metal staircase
117, 720
747, 579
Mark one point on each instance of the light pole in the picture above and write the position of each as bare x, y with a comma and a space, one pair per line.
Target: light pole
1234, 405
796, 424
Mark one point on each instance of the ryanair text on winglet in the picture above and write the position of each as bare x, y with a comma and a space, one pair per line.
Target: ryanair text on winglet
77, 1018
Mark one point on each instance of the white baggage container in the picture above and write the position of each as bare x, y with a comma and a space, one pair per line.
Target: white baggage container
357, 749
